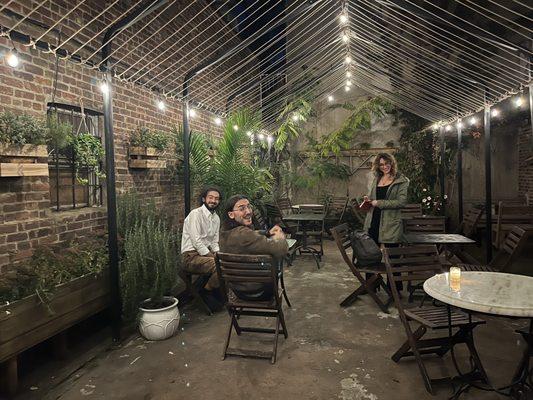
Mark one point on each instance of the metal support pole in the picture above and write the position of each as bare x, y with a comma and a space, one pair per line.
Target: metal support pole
186, 150
442, 172
488, 187
112, 239
531, 109
460, 170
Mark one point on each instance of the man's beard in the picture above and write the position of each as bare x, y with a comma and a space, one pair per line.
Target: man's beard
211, 207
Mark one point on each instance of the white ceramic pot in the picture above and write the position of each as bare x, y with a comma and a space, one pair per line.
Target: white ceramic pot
159, 324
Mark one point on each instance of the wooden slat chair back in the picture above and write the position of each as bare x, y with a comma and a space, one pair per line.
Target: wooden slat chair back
470, 221
412, 210
510, 214
284, 204
259, 221
337, 207
369, 277
511, 248
415, 263
425, 225
239, 269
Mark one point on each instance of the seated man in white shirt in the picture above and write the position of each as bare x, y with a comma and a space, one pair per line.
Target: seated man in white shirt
199, 240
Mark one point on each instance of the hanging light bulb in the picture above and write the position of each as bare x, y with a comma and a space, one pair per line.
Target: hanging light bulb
261, 136
192, 112
495, 112
12, 59
459, 124
518, 101
348, 59
104, 87
218, 121
346, 88
161, 105
345, 37
435, 126
473, 121
235, 127
295, 117
330, 98
348, 83
269, 139
249, 133
448, 128
343, 18
348, 74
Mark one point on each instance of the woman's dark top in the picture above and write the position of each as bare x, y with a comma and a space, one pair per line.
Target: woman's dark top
373, 231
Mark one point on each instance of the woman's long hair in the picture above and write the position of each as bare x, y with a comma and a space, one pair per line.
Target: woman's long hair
387, 157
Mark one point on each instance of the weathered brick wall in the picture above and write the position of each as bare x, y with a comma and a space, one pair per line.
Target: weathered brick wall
27, 219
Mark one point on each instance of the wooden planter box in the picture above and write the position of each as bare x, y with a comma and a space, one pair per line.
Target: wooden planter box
27, 322
26, 160
146, 158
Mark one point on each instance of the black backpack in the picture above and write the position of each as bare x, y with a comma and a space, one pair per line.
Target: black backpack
365, 250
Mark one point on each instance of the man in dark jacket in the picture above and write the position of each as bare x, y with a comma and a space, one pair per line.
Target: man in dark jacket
238, 237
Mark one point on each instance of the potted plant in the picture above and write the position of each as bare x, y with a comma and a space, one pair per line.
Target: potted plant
88, 153
146, 147
23, 149
148, 275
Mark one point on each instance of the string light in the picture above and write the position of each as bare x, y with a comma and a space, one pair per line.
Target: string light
192, 112
235, 127
473, 121
448, 128
435, 126
218, 121
345, 37
348, 83
12, 59
494, 112
518, 101
249, 133
161, 105
269, 139
348, 74
459, 124
104, 87
347, 88
331, 98
348, 59
295, 117
261, 136
343, 18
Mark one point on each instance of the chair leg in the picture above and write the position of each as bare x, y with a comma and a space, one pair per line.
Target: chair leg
283, 325
371, 284
275, 350
284, 291
421, 366
228, 337
421, 330
238, 329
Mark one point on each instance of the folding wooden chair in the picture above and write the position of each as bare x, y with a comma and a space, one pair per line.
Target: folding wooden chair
337, 207
237, 269
426, 224
509, 250
467, 228
412, 210
417, 263
508, 216
193, 286
342, 236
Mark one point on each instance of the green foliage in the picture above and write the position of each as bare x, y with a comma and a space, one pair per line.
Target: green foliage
132, 210
291, 117
22, 129
51, 266
149, 265
145, 137
229, 167
59, 133
360, 119
88, 153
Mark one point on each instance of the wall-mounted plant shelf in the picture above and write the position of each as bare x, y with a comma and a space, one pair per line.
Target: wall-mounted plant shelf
26, 160
146, 158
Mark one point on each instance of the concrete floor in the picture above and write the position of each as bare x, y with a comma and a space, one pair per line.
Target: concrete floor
331, 353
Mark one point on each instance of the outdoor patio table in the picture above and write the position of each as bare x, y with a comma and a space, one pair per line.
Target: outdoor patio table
304, 219
297, 206
495, 293
446, 240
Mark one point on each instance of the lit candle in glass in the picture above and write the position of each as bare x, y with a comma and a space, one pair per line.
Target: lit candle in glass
455, 278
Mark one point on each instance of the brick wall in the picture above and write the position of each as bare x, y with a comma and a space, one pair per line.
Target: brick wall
27, 219
525, 154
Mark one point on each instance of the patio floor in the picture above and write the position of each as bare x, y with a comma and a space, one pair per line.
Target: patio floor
331, 353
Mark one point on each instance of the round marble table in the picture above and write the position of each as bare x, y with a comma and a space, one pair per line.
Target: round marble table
487, 292
499, 294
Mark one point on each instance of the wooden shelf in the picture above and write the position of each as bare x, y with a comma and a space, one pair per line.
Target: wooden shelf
26, 160
147, 164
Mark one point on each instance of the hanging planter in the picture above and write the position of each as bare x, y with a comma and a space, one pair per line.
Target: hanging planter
25, 160
146, 158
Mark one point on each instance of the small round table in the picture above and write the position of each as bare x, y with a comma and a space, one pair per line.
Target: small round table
492, 293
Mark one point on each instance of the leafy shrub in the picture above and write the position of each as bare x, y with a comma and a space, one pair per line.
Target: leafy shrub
132, 210
88, 153
144, 137
22, 129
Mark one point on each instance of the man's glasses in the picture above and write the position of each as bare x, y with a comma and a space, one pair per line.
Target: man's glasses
243, 208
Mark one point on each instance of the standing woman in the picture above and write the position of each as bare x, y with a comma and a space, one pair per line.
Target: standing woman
387, 194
